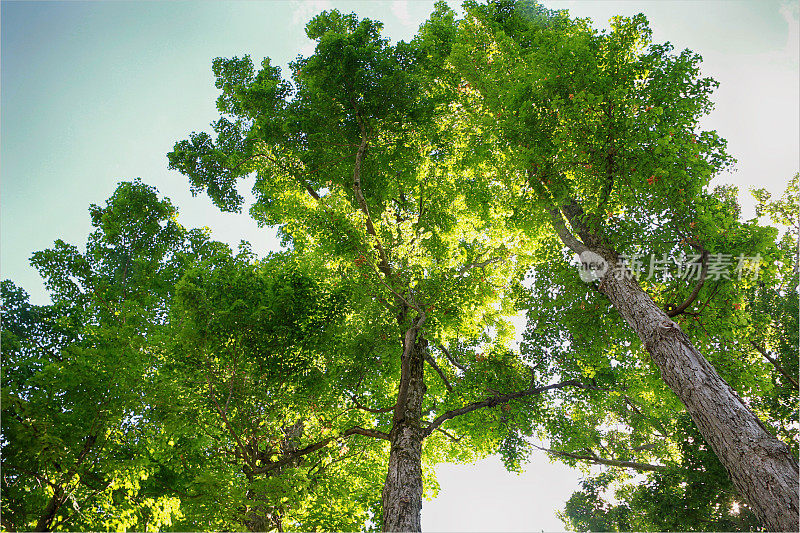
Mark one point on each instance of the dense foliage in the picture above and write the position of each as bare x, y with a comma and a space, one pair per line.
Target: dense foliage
426, 192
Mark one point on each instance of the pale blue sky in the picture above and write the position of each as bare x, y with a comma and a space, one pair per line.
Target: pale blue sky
94, 93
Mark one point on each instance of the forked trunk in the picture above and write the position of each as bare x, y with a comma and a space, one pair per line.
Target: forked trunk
402, 492
760, 466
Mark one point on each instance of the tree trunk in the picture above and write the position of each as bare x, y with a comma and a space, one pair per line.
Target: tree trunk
760, 466
45, 522
261, 516
402, 492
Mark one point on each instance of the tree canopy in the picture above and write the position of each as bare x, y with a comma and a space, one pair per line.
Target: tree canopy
426, 192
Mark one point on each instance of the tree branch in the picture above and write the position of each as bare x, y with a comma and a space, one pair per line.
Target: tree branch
577, 218
654, 422
394, 292
59, 497
600, 461
277, 163
431, 361
362, 203
775, 363
311, 448
223, 414
310, 190
452, 359
409, 341
34, 475
374, 433
692, 297
501, 399
370, 409
448, 435
565, 234
291, 456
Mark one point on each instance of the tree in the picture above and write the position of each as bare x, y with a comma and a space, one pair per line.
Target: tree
638, 426
415, 184
363, 161
602, 129
104, 423
693, 494
253, 365
75, 371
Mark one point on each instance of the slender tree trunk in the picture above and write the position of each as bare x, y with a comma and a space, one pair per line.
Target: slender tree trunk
260, 516
760, 466
402, 492
256, 521
45, 522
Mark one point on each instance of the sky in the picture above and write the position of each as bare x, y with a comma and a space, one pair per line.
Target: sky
93, 93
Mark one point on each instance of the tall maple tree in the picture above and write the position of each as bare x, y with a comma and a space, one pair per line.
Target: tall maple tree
603, 130
362, 159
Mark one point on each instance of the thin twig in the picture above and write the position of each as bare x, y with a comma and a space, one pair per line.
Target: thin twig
452, 359
431, 361
775, 363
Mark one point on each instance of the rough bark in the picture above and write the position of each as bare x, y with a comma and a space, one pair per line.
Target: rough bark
261, 516
760, 466
402, 492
